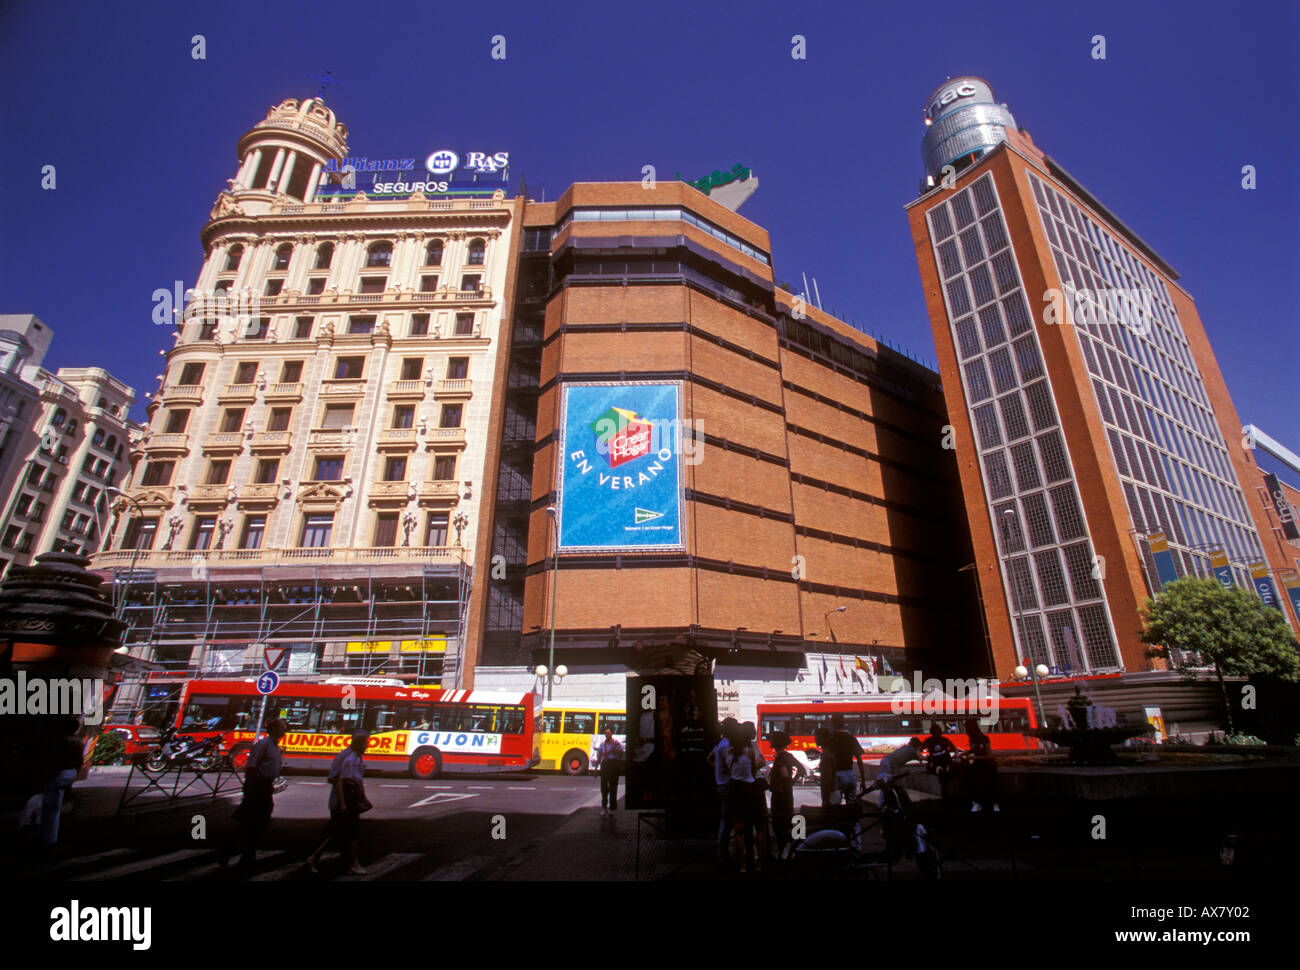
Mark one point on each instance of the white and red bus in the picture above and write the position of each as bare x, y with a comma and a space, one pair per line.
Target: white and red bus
423, 731
883, 722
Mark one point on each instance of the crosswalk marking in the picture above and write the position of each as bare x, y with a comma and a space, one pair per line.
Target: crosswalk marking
521, 788
438, 786
384, 866
481, 787
283, 872
457, 871
394, 786
139, 865
443, 796
186, 875
86, 860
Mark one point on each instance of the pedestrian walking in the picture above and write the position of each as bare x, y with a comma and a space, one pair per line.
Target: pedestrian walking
265, 764
786, 770
983, 769
609, 759
347, 804
848, 753
63, 762
743, 795
826, 768
722, 778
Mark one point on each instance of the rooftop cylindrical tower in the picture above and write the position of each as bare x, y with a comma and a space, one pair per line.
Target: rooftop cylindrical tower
963, 122
286, 152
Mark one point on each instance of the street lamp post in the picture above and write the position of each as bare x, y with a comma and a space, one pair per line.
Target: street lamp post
551, 513
834, 639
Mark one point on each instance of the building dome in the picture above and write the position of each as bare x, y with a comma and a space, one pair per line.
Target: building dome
310, 117
963, 123
285, 152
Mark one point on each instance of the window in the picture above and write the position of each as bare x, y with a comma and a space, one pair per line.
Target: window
254, 530
316, 531
324, 255
233, 258
411, 367
420, 325
470, 282
457, 368
60, 417
279, 420
291, 372
140, 534
433, 253
218, 473
192, 374
246, 372
11, 536
385, 529
176, 421
158, 473
329, 468
201, 538
208, 330
464, 325
348, 368
428, 283
451, 415
266, 469
273, 287
282, 255
232, 420
337, 416
395, 469
477, 250
25, 502
302, 328
379, 254
361, 324
372, 284
316, 286
436, 532
72, 427
67, 520
444, 468
403, 415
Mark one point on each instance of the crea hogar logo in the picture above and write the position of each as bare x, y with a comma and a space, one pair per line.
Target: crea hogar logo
628, 443
622, 435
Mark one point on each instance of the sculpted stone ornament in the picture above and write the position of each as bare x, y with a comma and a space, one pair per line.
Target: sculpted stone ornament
226, 206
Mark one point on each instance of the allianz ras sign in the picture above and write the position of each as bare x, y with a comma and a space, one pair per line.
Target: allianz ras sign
442, 162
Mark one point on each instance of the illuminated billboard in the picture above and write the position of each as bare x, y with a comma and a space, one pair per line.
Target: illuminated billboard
621, 477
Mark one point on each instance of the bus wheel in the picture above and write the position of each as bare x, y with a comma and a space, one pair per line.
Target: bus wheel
425, 763
239, 755
575, 762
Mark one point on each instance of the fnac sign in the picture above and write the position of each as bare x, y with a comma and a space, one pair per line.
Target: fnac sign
948, 95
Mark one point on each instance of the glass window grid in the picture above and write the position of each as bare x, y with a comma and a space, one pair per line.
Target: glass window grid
985, 418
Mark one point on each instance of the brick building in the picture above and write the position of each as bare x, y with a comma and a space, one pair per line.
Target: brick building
1091, 415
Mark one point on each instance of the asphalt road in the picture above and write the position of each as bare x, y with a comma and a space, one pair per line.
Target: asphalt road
453, 828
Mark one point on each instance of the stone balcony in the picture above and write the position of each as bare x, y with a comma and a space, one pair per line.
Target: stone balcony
238, 394
406, 390
342, 388
259, 495
183, 394
164, 444
390, 492
271, 443
396, 439
333, 438
224, 442
439, 492
453, 388
155, 558
283, 392
445, 437
209, 494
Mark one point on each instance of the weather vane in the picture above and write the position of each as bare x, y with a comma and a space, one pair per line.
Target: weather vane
325, 81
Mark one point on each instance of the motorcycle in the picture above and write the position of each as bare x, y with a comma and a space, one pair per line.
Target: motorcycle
184, 750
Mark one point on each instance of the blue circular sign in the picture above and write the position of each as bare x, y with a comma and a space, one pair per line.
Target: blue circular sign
268, 682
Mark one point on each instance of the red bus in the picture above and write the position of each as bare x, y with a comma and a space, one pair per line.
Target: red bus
422, 731
883, 722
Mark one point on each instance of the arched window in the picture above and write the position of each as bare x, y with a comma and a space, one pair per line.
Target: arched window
477, 249
433, 253
233, 258
60, 416
103, 404
111, 443
379, 254
324, 255
282, 256
72, 426
98, 439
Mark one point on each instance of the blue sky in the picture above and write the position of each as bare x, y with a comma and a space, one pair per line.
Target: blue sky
143, 137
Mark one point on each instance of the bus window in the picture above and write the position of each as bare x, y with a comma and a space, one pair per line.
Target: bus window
550, 722
809, 723
350, 719
511, 720
416, 717
855, 723
770, 725
331, 721
304, 715
885, 725
615, 722
579, 722
210, 713
380, 716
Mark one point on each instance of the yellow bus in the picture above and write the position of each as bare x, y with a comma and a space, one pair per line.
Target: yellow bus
566, 737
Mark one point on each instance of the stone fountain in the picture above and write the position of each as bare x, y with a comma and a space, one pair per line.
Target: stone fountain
1089, 732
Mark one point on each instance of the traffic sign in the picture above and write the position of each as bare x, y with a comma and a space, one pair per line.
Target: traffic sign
271, 656
268, 682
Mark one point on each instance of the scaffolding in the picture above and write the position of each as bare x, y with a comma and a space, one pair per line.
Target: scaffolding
399, 620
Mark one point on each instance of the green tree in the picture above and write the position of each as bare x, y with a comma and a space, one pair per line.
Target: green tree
1229, 629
